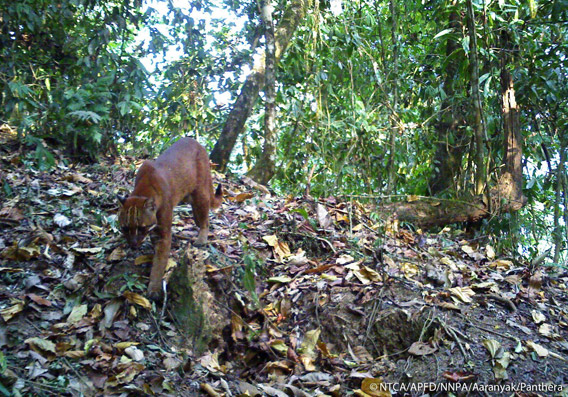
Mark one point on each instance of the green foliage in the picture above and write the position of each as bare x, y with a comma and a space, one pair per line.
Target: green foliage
252, 265
3, 363
66, 73
41, 156
337, 95
71, 74
7, 189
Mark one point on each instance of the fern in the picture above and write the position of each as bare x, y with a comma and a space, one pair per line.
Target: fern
20, 90
85, 115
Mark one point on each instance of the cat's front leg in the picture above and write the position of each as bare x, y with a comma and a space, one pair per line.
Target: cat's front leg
161, 255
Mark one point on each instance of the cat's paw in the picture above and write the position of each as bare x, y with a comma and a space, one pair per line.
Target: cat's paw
155, 291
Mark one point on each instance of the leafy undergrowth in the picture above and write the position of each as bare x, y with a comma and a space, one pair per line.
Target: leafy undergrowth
314, 298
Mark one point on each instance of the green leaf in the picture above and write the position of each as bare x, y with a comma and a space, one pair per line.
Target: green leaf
249, 282
77, 314
4, 391
465, 44
301, 211
123, 107
280, 279
3, 363
7, 188
85, 115
19, 90
443, 33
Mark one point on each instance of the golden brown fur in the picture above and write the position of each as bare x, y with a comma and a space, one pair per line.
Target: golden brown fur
181, 173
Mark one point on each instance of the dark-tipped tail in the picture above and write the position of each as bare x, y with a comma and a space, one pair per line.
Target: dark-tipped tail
217, 199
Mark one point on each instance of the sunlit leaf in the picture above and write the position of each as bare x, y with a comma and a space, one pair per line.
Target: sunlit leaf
9, 312
77, 314
137, 299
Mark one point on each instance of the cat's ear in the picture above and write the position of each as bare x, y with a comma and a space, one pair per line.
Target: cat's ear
121, 199
150, 204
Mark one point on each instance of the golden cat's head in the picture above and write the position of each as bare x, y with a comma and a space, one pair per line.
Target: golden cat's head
137, 216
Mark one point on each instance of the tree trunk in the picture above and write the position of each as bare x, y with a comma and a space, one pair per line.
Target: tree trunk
557, 233
264, 168
565, 204
478, 126
451, 138
510, 184
431, 212
243, 105
505, 196
391, 171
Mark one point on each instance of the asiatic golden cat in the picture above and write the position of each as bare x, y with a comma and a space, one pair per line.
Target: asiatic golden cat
181, 173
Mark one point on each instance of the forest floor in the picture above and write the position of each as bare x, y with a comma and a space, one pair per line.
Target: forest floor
305, 297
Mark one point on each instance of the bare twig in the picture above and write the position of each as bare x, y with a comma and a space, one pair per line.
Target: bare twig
500, 299
451, 333
165, 289
489, 330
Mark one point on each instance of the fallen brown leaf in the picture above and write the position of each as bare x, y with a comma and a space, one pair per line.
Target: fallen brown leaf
137, 299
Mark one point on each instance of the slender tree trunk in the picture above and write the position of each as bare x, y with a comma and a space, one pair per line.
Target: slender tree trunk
264, 168
242, 108
565, 213
478, 127
558, 235
451, 140
391, 171
510, 185
511, 180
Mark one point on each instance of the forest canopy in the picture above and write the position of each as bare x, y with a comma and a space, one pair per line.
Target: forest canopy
457, 100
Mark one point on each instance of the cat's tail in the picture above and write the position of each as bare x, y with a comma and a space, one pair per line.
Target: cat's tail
217, 198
